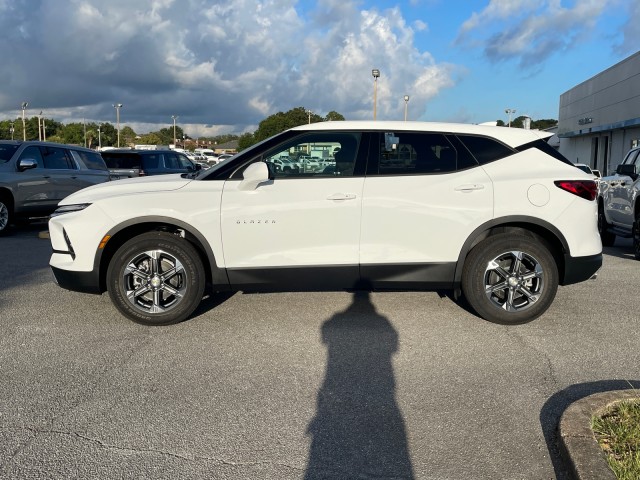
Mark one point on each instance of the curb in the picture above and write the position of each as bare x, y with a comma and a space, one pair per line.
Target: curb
578, 445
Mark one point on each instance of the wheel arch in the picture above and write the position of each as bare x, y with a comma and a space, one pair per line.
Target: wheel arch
529, 226
127, 230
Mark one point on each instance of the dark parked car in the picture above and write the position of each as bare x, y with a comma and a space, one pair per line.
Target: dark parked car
35, 176
136, 163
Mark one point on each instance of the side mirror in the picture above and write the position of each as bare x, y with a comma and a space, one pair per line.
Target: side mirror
254, 175
597, 173
27, 164
626, 169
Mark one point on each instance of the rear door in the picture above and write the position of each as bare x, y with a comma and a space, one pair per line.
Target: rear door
424, 194
299, 230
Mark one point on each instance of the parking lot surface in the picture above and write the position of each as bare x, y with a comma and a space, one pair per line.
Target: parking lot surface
300, 385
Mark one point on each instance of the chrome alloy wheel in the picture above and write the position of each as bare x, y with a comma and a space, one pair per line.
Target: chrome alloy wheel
4, 216
154, 281
514, 281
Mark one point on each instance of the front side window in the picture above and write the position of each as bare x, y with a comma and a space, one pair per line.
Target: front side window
315, 155
32, 153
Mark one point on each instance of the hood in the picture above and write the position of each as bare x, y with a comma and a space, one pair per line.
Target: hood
128, 186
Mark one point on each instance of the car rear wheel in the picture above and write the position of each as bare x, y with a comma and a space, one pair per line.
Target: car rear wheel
510, 278
156, 278
5, 215
606, 237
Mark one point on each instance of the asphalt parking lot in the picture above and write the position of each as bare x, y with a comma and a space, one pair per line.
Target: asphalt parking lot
300, 385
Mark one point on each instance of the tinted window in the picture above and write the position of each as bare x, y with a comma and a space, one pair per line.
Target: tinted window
415, 153
32, 153
6, 152
115, 160
485, 149
150, 161
631, 156
56, 158
91, 160
544, 146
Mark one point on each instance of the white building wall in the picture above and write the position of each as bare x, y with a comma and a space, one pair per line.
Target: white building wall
599, 119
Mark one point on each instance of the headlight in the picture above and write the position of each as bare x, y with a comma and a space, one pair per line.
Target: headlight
69, 209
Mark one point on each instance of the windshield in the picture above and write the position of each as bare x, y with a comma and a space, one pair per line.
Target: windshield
7, 151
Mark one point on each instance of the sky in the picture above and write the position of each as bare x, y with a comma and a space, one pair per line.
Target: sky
223, 66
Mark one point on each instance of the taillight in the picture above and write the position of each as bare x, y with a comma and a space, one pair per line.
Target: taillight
587, 189
142, 174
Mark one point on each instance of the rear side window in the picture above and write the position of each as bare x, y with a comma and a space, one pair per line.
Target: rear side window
544, 146
151, 161
414, 153
91, 160
485, 149
121, 160
56, 158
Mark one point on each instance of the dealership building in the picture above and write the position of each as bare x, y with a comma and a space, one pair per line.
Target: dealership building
599, 119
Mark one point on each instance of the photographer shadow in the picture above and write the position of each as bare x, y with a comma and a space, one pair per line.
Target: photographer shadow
358, 430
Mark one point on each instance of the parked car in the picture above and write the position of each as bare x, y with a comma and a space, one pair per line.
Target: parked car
494, 214
587, 169
619, 203
126, 163
35, 176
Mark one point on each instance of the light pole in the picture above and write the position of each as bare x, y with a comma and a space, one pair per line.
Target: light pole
118, 106
84, 129
376, 74
39, 127
406, 106
44, 130
24, 129
175, 117
11, 130
509, 111
99, 139
309, 112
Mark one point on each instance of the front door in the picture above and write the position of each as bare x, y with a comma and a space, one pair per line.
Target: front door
300, 218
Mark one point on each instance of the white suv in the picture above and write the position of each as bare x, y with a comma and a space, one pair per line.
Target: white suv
493, 213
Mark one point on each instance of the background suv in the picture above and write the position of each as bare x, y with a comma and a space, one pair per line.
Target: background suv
35, 176
619, 203
126, 163
494, 214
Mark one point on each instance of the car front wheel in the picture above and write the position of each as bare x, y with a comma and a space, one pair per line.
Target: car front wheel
510, 278
5, 215
156, 278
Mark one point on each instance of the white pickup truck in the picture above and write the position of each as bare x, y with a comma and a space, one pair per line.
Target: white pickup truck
619, 203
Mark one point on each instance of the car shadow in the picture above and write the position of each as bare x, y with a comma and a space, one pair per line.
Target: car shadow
358, 430
553, 409
623, 248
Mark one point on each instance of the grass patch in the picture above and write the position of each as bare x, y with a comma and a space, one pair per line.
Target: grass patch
618, 433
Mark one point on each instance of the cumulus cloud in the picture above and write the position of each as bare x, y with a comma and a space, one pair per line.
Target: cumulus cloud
630, 31
529, 32
221, 64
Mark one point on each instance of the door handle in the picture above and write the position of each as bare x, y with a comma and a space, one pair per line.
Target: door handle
341, 196
469, 187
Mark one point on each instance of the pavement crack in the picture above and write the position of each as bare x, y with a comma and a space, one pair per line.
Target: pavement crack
134, 450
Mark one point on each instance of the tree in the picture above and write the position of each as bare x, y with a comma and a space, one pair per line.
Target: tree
245, 141
500, 123
152, 139
333, 116
127, 136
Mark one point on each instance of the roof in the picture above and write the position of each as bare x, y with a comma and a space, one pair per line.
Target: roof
510, 136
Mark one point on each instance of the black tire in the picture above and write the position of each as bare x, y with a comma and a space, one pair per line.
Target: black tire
6, 214
606, 237
144, 294
510, 278
636, 237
